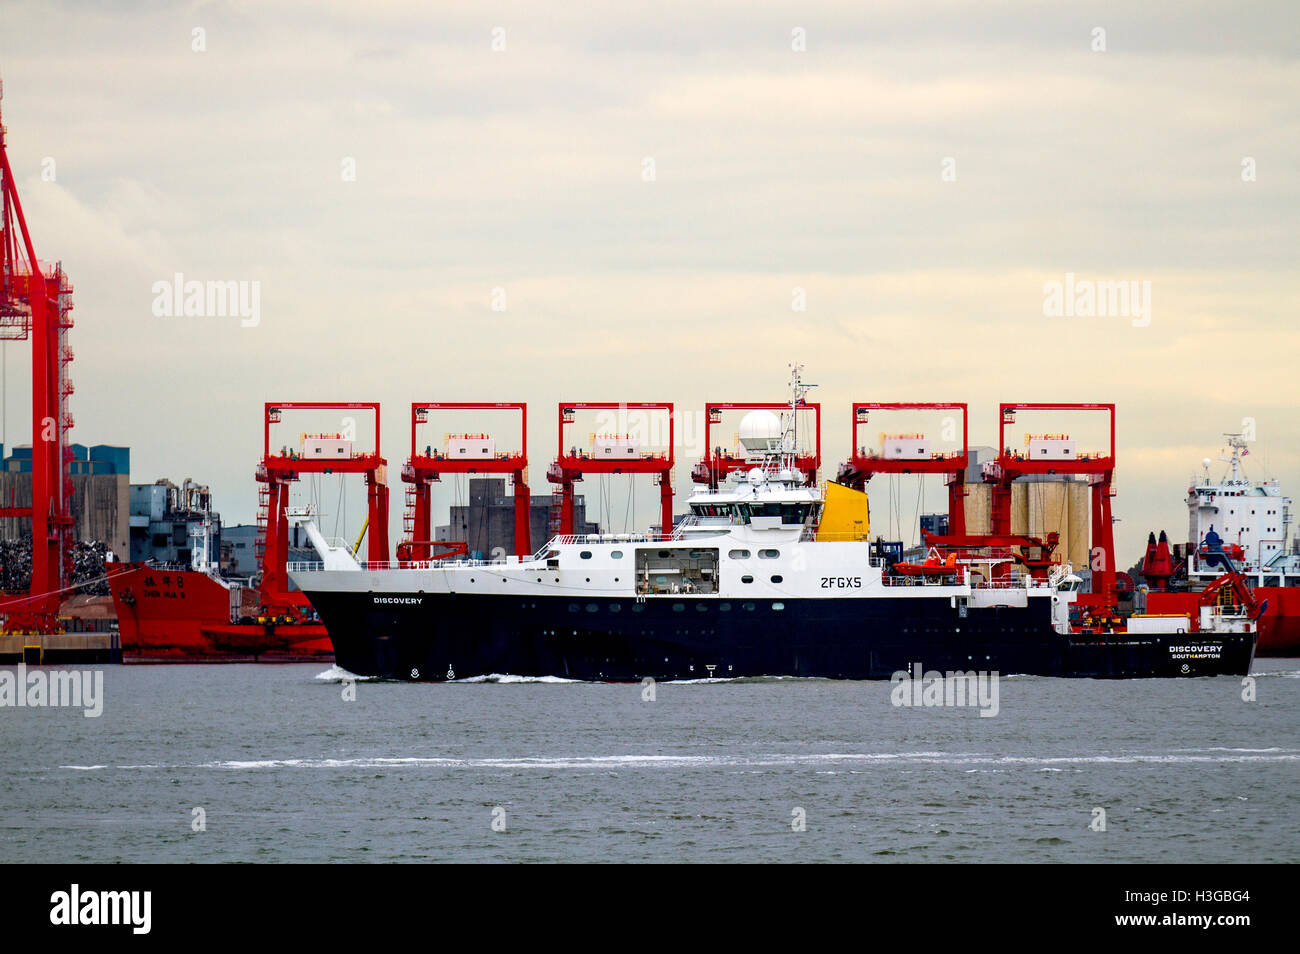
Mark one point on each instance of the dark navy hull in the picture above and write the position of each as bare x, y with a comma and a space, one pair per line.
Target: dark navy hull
432, 637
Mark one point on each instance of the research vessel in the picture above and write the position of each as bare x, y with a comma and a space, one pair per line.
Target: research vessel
767, 576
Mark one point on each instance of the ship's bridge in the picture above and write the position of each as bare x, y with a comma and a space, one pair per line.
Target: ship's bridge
760, 500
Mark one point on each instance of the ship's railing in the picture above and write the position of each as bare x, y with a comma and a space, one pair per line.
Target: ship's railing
1014, 583
577, 539
813, 535
316, 567
945, 580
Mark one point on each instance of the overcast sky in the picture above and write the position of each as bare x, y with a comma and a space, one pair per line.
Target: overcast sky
921, 171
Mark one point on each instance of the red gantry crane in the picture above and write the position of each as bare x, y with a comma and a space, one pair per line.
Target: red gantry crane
1056, 454
718, 464
318, 454
460, 454
910, 454
36, 303
610, 454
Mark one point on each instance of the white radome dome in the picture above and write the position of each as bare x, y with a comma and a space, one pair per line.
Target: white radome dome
758, 429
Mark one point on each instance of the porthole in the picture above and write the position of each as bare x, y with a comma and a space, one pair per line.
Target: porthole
592, 608
585, 554
778, 606
769, 554
638, 607
702, 607
738, 554
573, 607
724, 607
615, 608
748, 606
746, 579
616, 554
679, 607
777, 578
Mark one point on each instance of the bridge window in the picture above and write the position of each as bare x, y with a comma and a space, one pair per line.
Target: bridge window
713, 510
789, 513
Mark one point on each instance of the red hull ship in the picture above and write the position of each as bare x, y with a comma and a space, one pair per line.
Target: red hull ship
167, 615
191, 614
1242, 522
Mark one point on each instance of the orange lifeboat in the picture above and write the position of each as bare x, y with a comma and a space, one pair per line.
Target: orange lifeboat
934, 565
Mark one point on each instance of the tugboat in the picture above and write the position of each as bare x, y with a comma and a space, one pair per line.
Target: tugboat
1238, 522
753, 582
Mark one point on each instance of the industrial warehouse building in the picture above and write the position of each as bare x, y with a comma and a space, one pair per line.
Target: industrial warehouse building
100, 503
487, 522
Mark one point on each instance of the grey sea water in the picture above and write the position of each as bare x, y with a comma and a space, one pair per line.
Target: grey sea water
284, 769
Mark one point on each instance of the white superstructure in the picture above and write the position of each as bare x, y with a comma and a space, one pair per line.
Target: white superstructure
1252, 516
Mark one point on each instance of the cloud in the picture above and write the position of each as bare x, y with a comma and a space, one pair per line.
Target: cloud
523, 170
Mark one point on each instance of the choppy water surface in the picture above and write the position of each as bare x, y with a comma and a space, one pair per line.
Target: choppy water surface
285, 769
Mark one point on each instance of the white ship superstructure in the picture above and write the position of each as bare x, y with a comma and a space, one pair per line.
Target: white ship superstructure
1252, 520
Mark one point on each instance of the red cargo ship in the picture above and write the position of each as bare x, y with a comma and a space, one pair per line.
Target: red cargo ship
192, 614
174, 614
1248, 524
